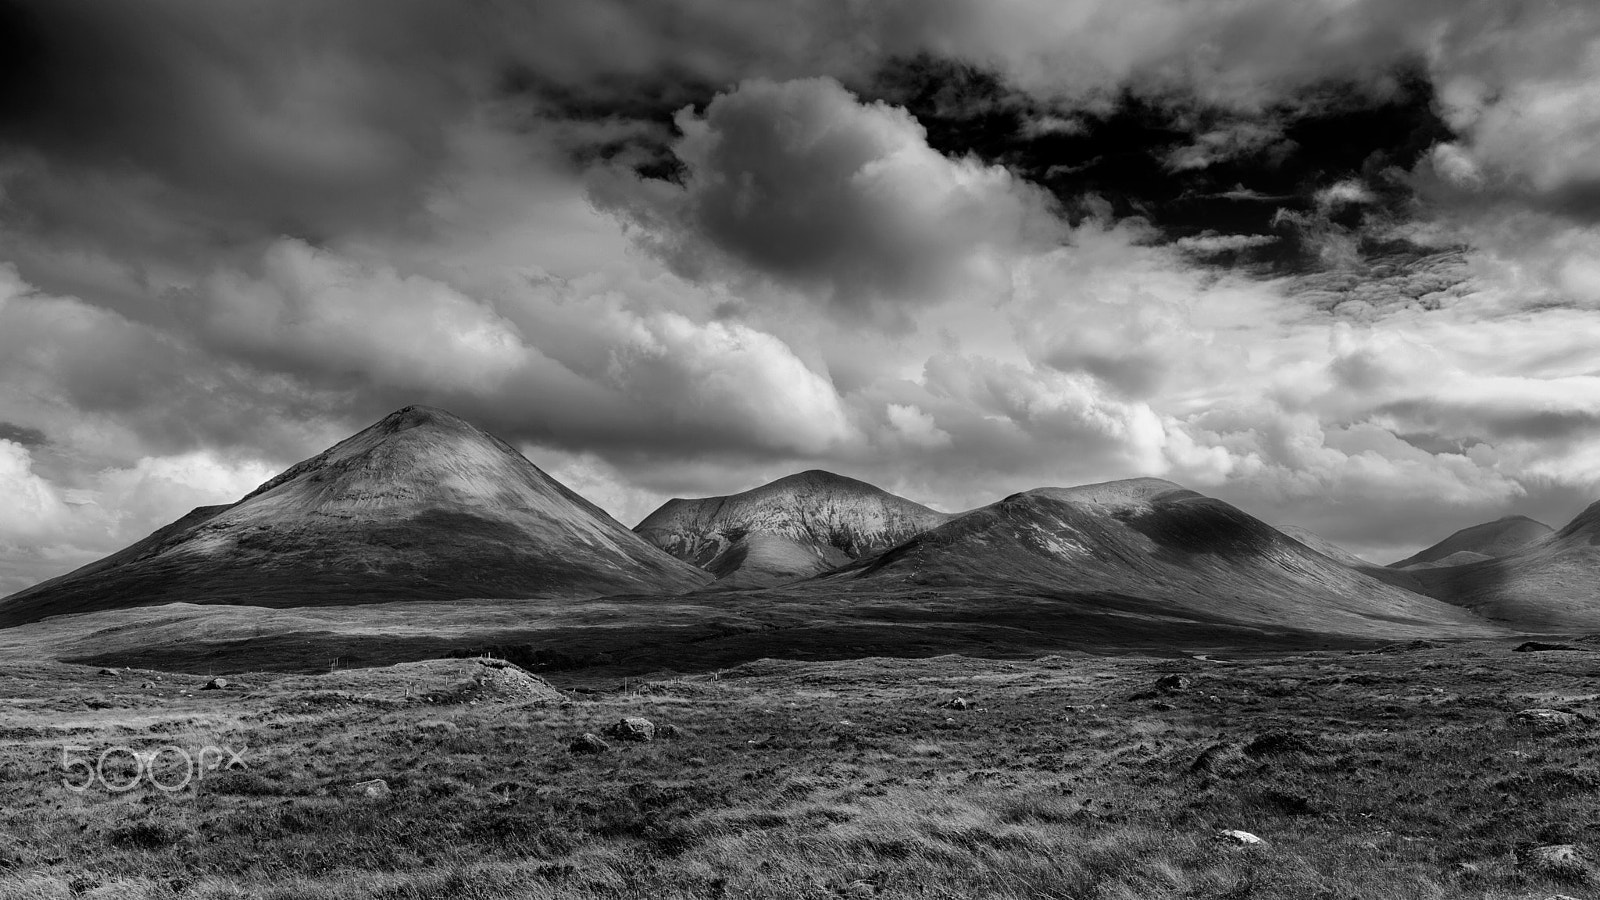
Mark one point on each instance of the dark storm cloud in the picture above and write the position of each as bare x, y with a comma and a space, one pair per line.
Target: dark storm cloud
1193, 168
1468, 424
22, 434
249, 228
803, 183
238, 122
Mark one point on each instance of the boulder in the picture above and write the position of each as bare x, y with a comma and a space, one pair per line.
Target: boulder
215, 684
1173, 682
956, 703
632, 728
110, 672
1561, 862
1547, 719
589, 743
1240, 838
372, 789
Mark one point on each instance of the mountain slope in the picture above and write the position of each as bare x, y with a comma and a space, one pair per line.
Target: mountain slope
1150, 548
420, 505
1395, 577
1324, 546
790, 528
1552, 584
1489, 540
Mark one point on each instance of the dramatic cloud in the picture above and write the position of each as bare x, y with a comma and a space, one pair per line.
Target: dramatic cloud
802, 183
1331, 260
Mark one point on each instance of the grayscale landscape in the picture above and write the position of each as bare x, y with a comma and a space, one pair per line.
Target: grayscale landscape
706, 450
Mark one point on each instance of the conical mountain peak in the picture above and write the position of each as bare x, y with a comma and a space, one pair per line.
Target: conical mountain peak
420, 505
423, 417
793, 527
1488, 540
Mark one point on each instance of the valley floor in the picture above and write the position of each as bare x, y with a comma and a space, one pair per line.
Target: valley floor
1397, 773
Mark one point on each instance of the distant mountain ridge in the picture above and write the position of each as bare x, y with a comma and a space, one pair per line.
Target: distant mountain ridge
423, 506
420, 505
1154, 548
790, 528
1488, 540
1549, 584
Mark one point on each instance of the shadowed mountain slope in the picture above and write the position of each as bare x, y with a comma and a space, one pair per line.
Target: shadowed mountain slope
1552, 584
791, 528
1489, 540
1150, 548
420, 506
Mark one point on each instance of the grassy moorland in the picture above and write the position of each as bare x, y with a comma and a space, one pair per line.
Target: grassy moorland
1400, 773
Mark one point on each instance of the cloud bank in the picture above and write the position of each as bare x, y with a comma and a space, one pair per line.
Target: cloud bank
1331, 261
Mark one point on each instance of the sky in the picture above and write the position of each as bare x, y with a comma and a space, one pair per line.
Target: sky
1334, 261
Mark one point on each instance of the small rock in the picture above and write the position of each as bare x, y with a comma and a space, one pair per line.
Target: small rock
1546, 719
1174, 682
1566, 862
589, 743
373, 789
148, 685
215, 684
957, 703
632, 728
1240, 838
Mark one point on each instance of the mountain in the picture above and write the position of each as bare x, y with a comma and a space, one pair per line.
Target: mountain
790, 528
420, 506
1480, 542
1395, 577
1551, 584
1324, 546
1147, 548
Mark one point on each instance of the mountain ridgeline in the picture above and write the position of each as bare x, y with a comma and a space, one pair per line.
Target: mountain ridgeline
1149, 548
422, 506
1490, 540
1551, 583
